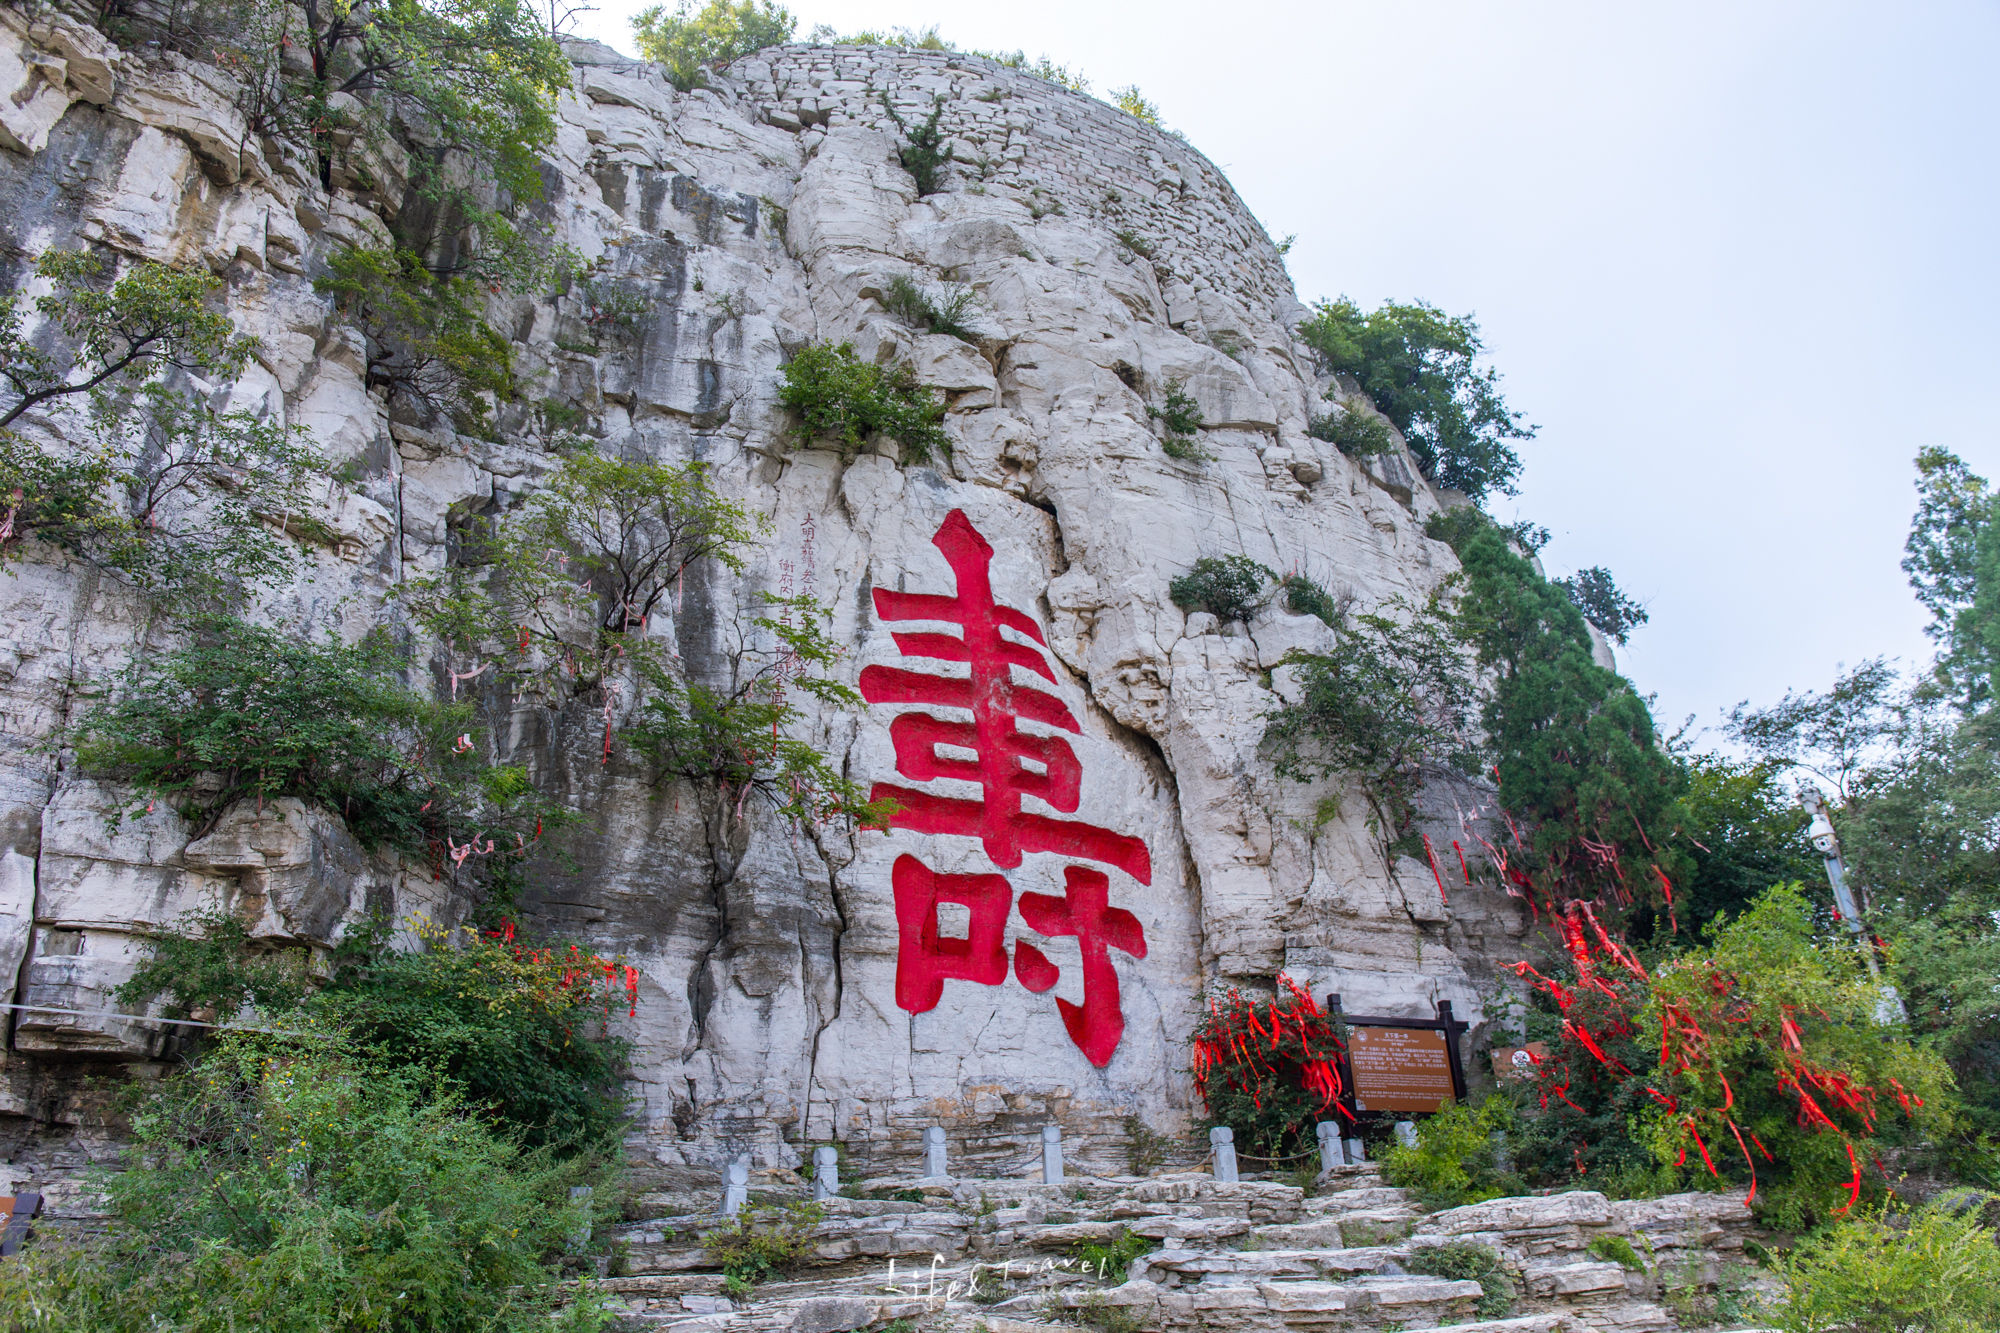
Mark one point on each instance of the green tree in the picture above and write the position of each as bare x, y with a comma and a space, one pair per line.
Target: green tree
579, 571
1952, 558
1837, 736
1419, 366
245, 711
1603, 603
297, 1187
1774, 1028
688, 43
154, 318
730, 741
1572, 745
1743, 833
175, 497
430, 343
1393, 698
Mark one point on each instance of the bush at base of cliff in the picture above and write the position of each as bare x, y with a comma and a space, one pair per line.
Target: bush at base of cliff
1454, 1161
518, 1031
1937, 1270
288, 1186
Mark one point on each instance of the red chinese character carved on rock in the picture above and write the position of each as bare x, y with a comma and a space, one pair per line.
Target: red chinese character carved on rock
1002, 750
925, 960
1007, 763
1084, 911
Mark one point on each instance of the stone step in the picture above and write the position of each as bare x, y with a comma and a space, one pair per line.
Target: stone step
1367, 1196
1242, 1265
1403, 1300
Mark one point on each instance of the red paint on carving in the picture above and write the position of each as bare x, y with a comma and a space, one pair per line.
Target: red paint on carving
1084, 911
1001, 751
925, 960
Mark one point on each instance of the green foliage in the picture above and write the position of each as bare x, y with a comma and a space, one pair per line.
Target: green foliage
1573, 745
507, 1026
297, 1188
1228, 587
1952, 558
738, 740
1134, 242
924, 153
1790, 1019
1453, 1161
947, 312
1354, 430
517, 1031
153, 319
175, 497
1463, 1261
1743, 833
1182, 418
1392, 698
1418, 365
1306, 597
1597, 595
1836, 735
1616, 1250
688, 44
836, 393
1936, 1270
570, 582
764, 1243
208, 962
429, 339
1129, 100
246, 711
1111, 1259
475, 78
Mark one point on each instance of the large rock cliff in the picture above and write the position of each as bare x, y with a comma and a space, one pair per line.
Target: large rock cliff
744, 221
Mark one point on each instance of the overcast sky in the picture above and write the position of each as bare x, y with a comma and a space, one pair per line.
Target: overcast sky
1737, 260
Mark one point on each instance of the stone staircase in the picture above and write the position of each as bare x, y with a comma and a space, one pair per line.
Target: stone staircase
1348, 1254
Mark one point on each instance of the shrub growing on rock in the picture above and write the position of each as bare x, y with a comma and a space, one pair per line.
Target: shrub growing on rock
246, 711
1228, 587
837, 394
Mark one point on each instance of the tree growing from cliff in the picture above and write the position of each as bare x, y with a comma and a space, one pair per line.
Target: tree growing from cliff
566, 588
160, 488
1392, 698
1419, 366
245, 712
1603, 603
737, 738
687, 43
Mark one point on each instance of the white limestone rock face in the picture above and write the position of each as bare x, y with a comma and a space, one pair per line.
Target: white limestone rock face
747, 220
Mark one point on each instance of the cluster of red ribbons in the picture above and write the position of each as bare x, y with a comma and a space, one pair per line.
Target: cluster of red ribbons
1688, 1046
1246, 1043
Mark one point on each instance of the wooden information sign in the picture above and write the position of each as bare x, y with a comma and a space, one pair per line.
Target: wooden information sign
1400, 1069
1401, 1065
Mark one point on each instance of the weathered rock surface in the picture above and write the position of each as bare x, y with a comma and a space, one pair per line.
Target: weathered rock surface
749, 219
